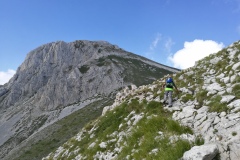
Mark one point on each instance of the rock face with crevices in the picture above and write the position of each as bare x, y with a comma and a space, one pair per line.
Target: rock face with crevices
59, 78
208, 103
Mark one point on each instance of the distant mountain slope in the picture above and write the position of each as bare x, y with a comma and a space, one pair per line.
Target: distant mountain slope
138, 126
58, 79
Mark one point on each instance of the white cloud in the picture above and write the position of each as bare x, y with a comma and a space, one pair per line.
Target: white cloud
155, 42
6, 76
168, 45
194, 51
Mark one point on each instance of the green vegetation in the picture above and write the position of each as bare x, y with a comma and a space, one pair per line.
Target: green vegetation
218, 80
221, 64
84, 69
199, 141
215, 131
215, 105
79, 44
64, 130
228, 69
236, 90
201, 96
187, 97
152, 136
136, 73
237, 79
151, 133
37, 123
101, 61
234, 133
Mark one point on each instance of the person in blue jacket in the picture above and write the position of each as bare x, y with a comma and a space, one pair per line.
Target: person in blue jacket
169, 86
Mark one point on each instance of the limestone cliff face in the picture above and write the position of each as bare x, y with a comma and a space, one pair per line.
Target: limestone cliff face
55, 75
59, 78
58, 74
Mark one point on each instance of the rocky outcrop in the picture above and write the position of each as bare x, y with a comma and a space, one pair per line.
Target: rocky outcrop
208, 103
59, 78
205, 152
58, 74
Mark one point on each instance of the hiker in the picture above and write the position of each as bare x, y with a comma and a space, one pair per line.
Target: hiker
169, 85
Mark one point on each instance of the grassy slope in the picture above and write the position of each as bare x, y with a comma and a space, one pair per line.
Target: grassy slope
134, 72
142, 140
139, 140
58, 133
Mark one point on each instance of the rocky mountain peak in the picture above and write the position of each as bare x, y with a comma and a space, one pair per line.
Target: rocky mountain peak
53, 65
58, 79
204, 122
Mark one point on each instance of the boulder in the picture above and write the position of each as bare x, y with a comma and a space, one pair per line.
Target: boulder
204, 152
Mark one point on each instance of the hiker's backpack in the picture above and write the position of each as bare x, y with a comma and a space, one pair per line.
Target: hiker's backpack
169, 83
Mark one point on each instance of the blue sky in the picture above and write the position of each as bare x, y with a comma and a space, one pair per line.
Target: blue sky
172, 32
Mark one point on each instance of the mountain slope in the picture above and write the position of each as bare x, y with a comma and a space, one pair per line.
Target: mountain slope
69, 67
58, 79
137, 126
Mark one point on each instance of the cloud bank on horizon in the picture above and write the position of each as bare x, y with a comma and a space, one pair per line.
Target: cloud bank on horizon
182, 59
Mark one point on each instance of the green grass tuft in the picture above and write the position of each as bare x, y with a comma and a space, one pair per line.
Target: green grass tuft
234, 133
84, 69
236, 90
216, 106
187, 97
201, 96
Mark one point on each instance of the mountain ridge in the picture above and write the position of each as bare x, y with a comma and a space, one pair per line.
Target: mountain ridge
57, 79
209, 105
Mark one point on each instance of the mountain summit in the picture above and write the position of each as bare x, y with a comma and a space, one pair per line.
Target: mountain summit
203, 124
59, 79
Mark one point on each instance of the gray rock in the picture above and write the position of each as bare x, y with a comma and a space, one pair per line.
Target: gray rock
235, 150
2, 90
204, 152
59, 78
62, 71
